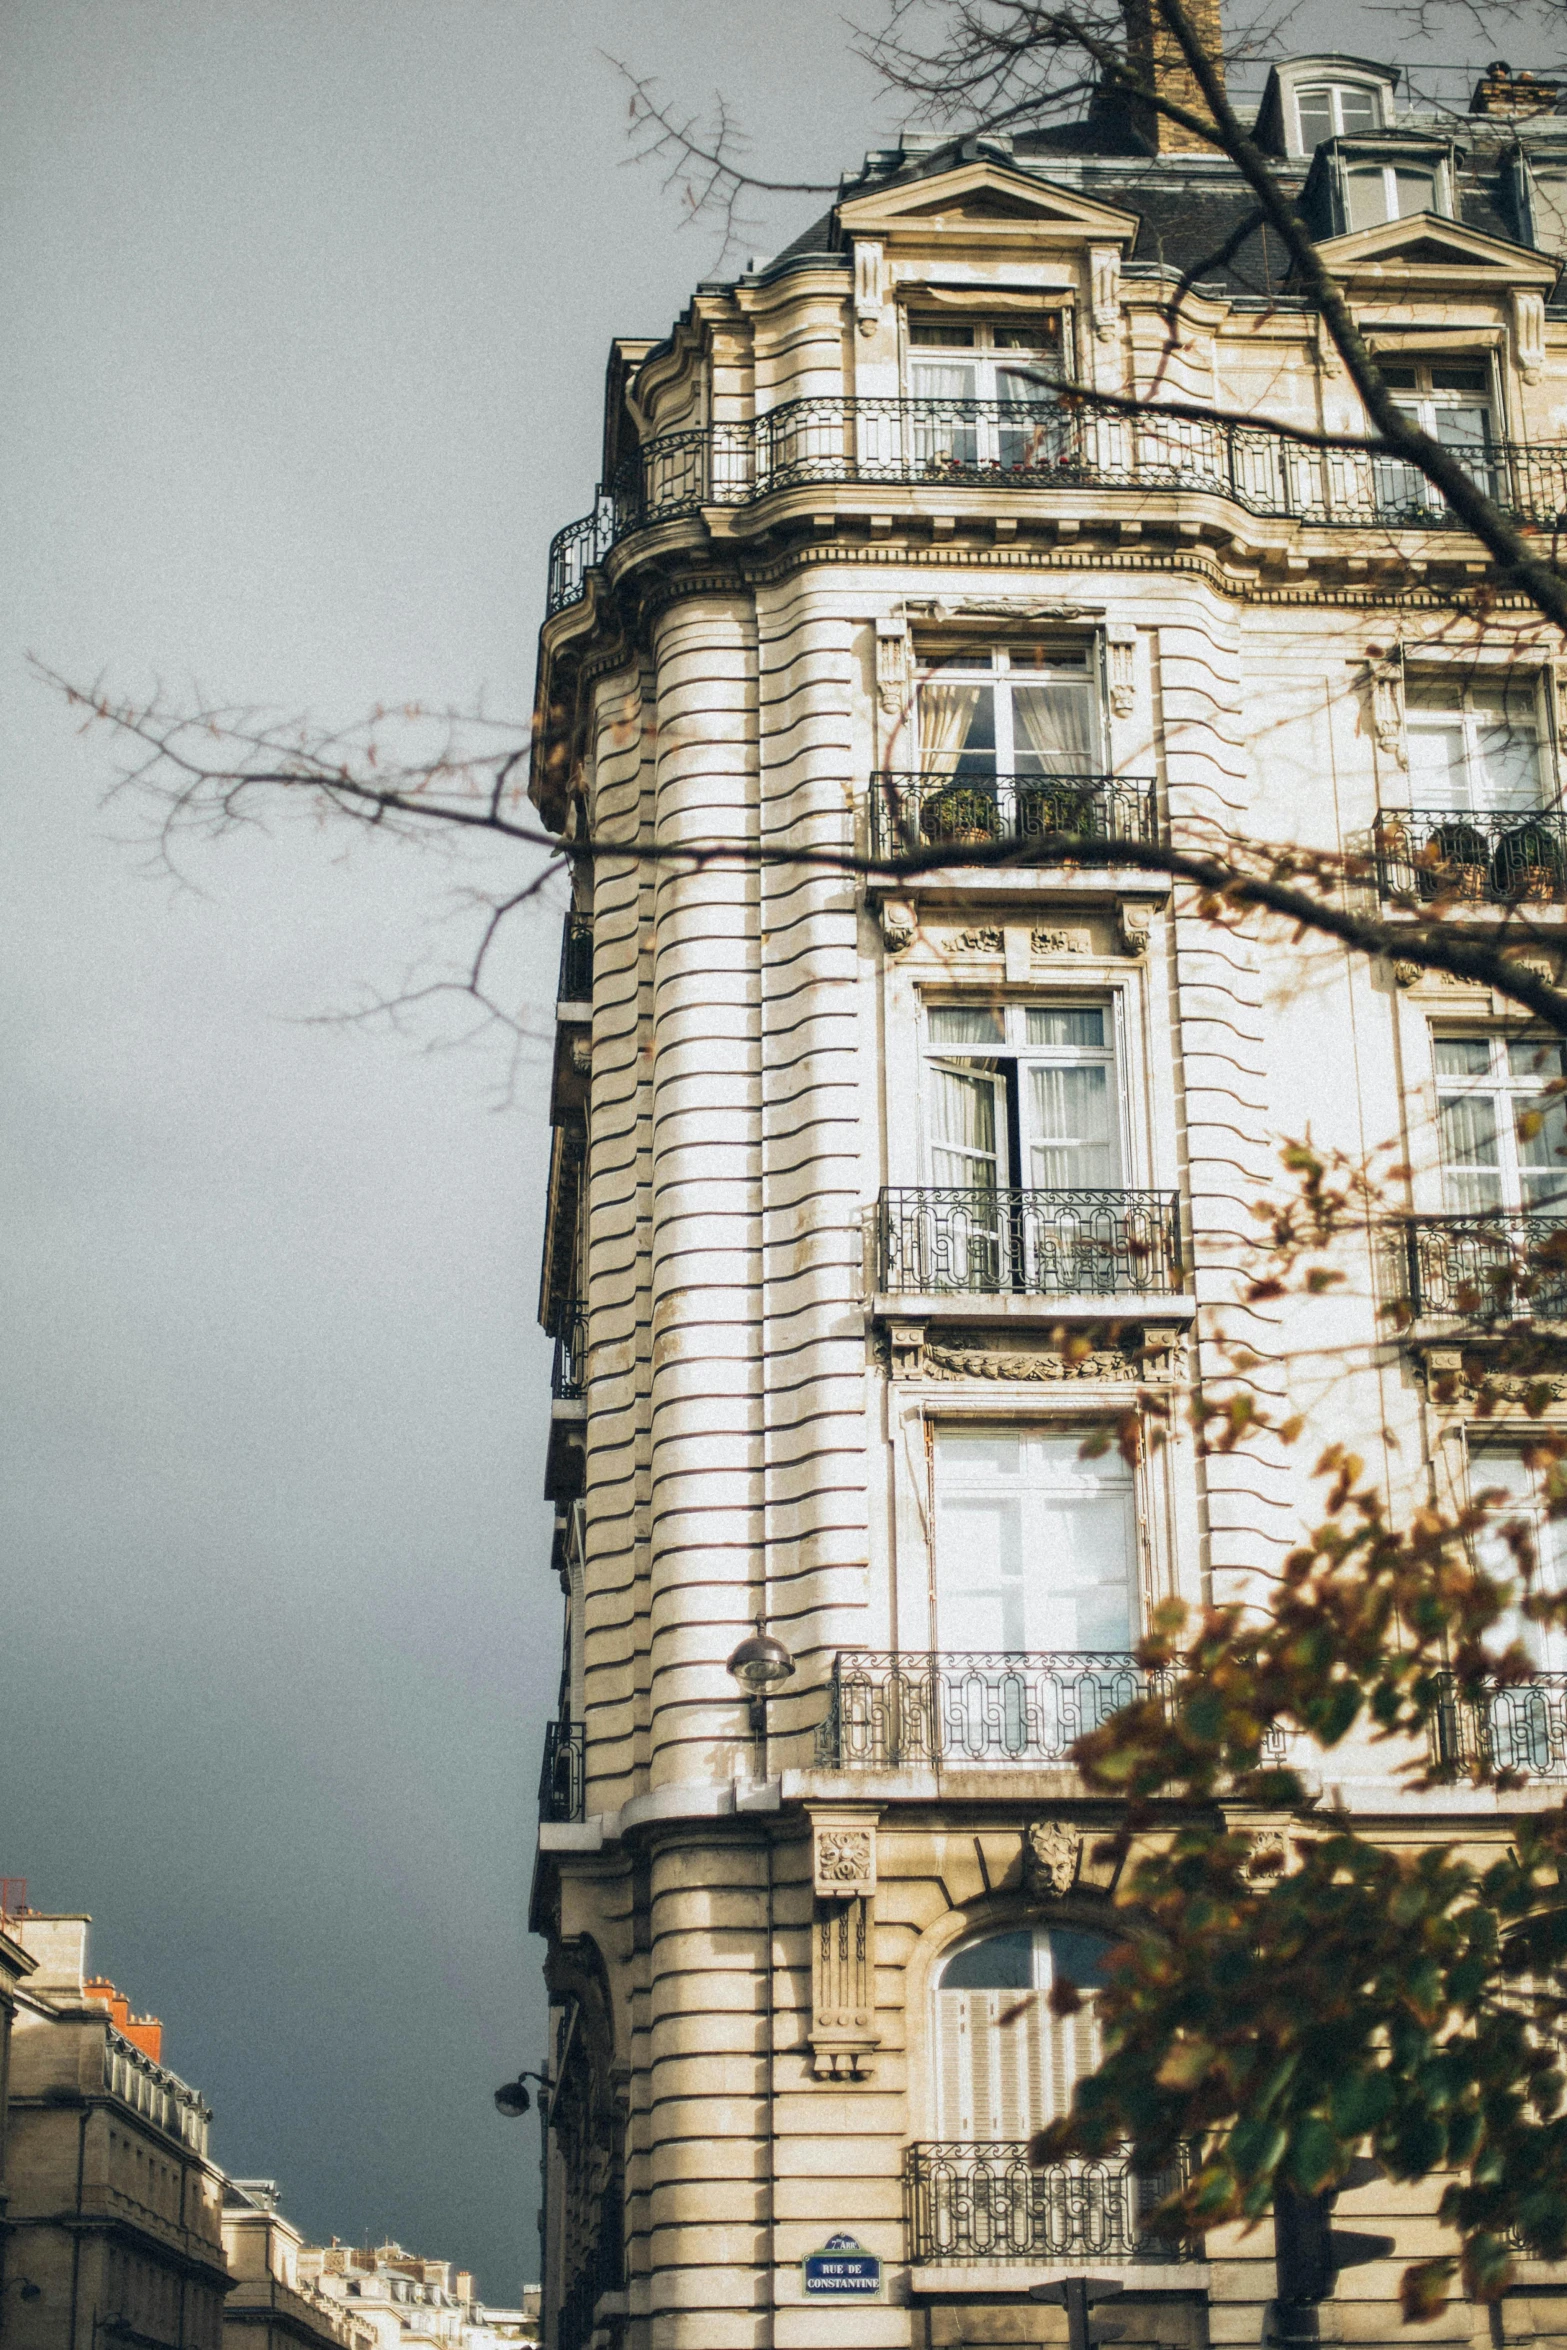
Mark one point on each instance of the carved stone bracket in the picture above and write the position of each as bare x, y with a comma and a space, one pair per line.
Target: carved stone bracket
898, 924
1529, 333
844, 2034
1121, 662
582, 1055
1134, 922
1387, 706
892, 664
869, 284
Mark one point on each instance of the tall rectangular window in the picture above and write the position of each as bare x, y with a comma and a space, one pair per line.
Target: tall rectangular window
1504, 1467
1451, 400
1023, 1094
1035, 1546
1029, 710
1503, 1136
985, 390
1474, 745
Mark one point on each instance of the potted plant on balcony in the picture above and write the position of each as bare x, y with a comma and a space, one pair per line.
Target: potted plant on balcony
1530, 865
1056, 803
1455, 863
960, 815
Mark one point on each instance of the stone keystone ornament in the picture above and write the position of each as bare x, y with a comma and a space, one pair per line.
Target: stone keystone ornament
1051, 1852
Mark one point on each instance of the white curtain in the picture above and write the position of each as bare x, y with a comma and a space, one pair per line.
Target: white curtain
963, 1139
1054, 724
945, 712
1073, 1139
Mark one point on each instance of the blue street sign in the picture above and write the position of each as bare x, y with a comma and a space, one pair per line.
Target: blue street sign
842, 2271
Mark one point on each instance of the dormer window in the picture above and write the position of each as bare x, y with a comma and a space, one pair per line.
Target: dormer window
1378, 192
1326, 110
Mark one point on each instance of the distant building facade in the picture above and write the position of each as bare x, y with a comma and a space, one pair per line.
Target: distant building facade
409, 2303
875, 1195
113, 2223
270, 2306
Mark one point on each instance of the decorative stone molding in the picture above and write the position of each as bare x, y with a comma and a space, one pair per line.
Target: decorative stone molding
1139, 1358
985, 941
1529, 333
582, 1055
843, 1966
1051, 1852
941, 608
1270, 1855
1134, 923
892, 664
1387, 706
898, 924
870, 279
1058, 942
1105, 266
843, 1855
1457, 1378
1121, 664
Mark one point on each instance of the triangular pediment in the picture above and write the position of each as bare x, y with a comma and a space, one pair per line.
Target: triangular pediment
985, 200
1425, 243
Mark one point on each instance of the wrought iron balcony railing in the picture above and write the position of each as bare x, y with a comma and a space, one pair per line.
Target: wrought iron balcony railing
1040, 1243
912, 811
1480, 857
984, 2202
1502, 1266
569, 1370
563, 1774
575, 985
1029, 445
887, 1711
1520, 1728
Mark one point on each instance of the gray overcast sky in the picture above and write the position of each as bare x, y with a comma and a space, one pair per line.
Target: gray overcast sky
306, 312
306, 316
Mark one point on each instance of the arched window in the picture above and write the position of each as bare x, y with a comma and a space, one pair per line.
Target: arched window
1004, 2064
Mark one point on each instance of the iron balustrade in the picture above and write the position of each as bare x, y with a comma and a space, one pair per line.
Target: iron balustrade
938, 1239
1473, 857
975, 2201
575, 984
885, 1711
569, 1370
1500, 1266
1042, 444
912, 811
1522, 1728
563, 1774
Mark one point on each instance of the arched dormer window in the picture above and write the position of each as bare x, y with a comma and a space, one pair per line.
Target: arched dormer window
1004, 2064
1312, 99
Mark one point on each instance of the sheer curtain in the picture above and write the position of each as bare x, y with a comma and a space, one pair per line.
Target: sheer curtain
945, 712
963, 1152
1054, 725
1073, 1145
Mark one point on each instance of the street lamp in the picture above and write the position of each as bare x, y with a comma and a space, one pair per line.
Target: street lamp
759, 1664
512, 2098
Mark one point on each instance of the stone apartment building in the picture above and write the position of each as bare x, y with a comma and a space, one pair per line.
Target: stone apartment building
872, 1198
113, 2220
271, 2303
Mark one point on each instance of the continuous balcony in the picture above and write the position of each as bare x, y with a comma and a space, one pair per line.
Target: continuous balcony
1485, 1270
1029, 447
1473, 858
901, 1709
575, 984
934, 1241
569, 1369
912, 810
1521, 1728
984, 2202
563, 1774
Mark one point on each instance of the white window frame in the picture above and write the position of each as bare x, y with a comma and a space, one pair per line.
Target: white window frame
1014, 1046
988, 356
1336, 86
1500, 1085
1039, 2024
978, 1421
1002, 666
1462, 690
1547, 1642
1352, 166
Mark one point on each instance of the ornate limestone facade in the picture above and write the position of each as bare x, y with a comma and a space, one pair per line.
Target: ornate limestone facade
875, 1193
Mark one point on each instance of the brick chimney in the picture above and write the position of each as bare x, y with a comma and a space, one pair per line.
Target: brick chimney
143, 2031
1155, 57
